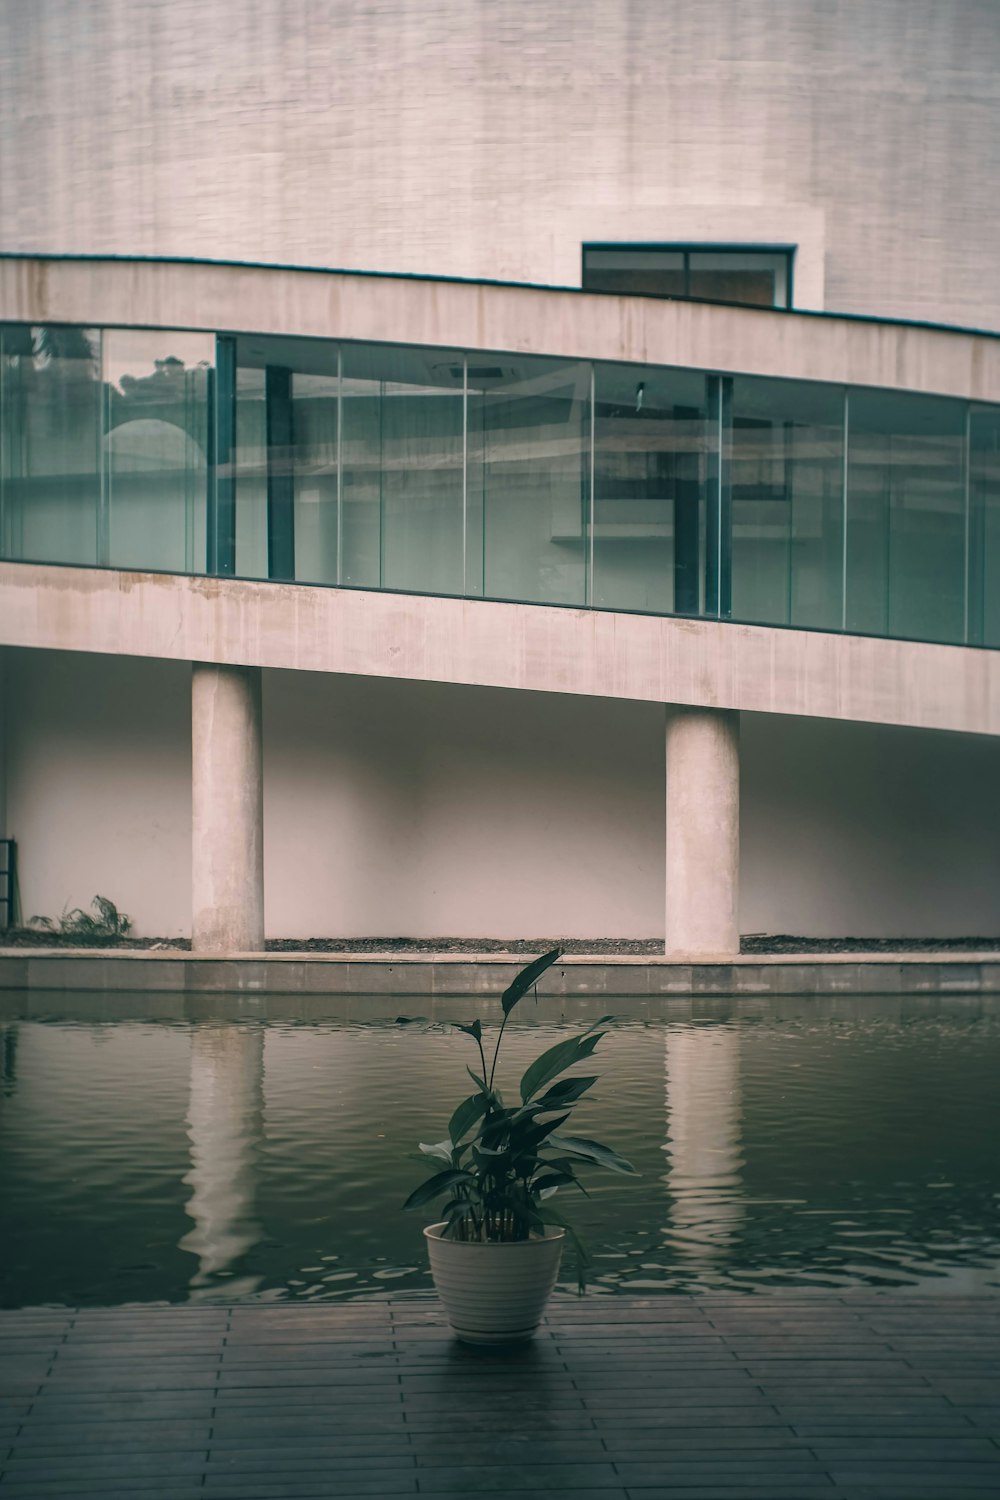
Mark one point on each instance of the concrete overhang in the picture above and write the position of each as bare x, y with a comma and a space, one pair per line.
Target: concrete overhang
644, 658
565, 323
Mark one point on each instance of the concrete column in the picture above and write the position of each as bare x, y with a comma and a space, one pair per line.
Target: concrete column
227, 810
703, 832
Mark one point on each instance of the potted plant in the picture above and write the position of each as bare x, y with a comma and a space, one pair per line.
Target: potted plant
495, 1253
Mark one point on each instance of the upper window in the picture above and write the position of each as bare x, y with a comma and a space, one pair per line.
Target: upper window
727, 273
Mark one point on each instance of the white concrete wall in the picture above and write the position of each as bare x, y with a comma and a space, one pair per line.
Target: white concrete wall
865, 830
490, 137
99, 785
411, 809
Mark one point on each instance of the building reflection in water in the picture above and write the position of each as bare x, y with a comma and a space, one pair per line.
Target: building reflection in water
224, 1126
703, 1145
8, 1058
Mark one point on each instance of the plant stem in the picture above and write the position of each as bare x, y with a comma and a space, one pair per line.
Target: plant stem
496, 1054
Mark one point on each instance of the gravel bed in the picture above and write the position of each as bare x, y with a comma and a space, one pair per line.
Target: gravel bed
756, 943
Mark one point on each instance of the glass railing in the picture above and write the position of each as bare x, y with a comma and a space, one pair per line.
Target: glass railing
502, 476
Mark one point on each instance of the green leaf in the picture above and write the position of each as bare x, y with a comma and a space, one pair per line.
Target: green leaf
552, 1182
468, 1112
439, 1150
527, 977
532, 1136
551, 1215
557, 1059
475, 1030
435, 1186
566, 1091
601, 1156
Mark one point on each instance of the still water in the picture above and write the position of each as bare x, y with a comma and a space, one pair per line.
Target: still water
157, 1149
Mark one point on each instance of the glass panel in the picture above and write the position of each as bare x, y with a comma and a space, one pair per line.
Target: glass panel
529, 447
155, 446
984, 549
757, 278
657, 273
651, 439
251, 470
361, 459
787, 495
315, 406
422, 473
906, 516
51, 445
287, 401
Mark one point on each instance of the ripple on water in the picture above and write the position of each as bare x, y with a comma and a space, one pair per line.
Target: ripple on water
794, 1143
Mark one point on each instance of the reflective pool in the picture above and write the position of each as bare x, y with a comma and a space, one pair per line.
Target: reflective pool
157, 1149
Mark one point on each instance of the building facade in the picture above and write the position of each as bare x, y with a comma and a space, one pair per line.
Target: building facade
405, 600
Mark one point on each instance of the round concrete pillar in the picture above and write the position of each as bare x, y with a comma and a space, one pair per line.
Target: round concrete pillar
227, 811
703, 832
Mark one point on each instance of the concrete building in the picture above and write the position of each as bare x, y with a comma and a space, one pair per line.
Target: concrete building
610, 563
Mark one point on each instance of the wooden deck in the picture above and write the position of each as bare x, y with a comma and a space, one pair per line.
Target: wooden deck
858, 1397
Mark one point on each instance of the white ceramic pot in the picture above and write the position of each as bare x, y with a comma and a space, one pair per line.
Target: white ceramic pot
494, 1294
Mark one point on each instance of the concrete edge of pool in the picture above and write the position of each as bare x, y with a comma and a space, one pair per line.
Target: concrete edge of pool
475, 974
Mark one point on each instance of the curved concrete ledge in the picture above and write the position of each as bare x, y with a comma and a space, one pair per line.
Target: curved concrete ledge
595, 653
374, 974
569, 324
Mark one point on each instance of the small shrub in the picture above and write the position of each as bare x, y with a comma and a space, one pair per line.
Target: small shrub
102, 921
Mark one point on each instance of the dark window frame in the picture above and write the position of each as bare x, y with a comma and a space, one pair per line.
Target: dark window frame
687, 248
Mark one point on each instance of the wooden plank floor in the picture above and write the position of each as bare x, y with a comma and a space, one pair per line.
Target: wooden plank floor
858, 1397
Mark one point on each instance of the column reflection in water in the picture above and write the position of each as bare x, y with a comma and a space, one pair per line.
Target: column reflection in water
8, 1059
224, 1126
703, 1146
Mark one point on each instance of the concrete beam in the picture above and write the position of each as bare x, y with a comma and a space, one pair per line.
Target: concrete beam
227, 811
515, 319
703, 833
645, 658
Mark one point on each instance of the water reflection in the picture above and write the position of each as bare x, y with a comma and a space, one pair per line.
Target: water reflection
224, 1125
8, 1059
703, 1145
792, 1142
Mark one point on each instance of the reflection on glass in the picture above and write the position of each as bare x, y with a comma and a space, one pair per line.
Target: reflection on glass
155, 448
251, 461
906, 516
50, 443
315, 426
529, 447
760, 278
224, 1124
703, 1144
649, 272
984, 519
651, 440
787, 470
442, 472
422, 403
754, 278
